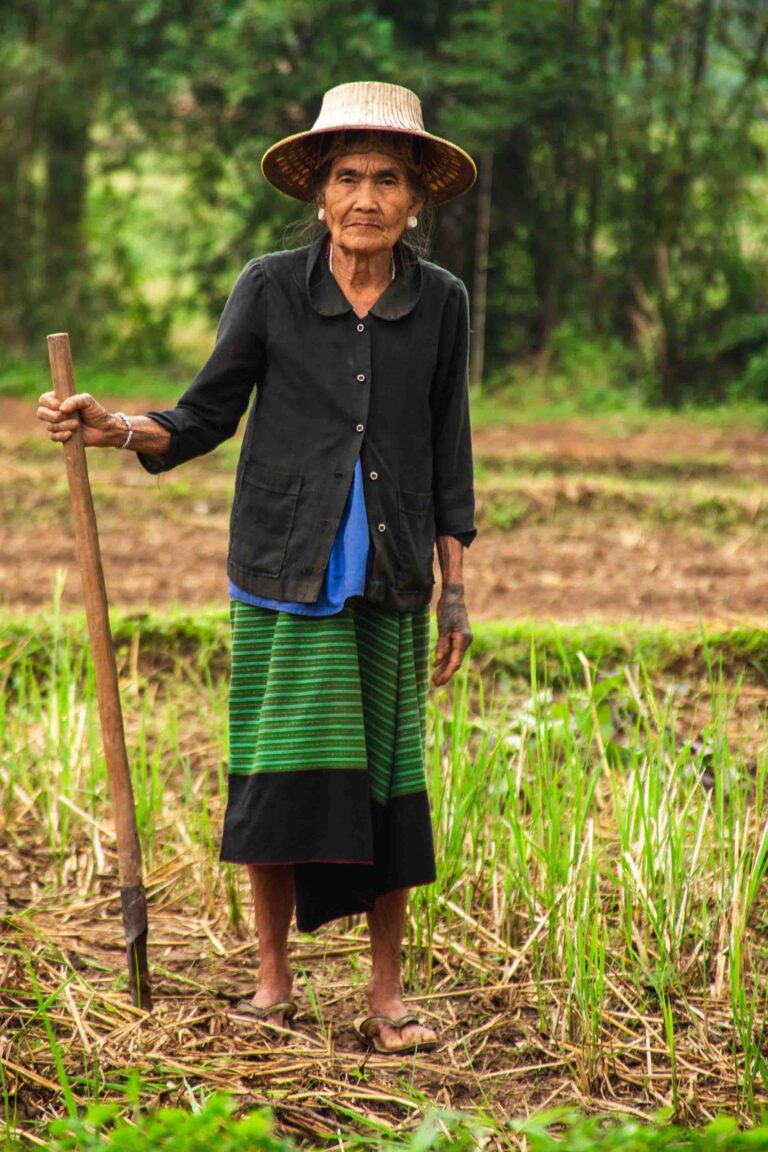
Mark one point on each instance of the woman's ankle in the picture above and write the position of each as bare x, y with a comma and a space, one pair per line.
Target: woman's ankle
388, 989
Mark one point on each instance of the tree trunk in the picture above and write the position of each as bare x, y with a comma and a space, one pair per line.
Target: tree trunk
453, 238
647, 204
682, 175
66, 146
480, 293
20, 104
9, 238
600, 170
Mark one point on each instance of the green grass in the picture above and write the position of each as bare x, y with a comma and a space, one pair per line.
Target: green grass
601, 844
214, 1125
660, 649
168, 640
26, 379
518, 395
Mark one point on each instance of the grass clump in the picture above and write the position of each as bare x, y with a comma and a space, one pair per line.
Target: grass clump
210, 1126
214, 1124
596, 932
26, 379
171, 638
511, 499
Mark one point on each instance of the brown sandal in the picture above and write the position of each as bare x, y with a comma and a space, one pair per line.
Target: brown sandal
368, 1030
254, 1013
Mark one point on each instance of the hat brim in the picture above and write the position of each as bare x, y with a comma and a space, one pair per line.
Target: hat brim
446, 169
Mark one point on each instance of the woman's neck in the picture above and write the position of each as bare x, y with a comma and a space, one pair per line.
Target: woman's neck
361, 272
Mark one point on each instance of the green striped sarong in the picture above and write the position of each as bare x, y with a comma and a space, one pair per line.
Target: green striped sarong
327, 748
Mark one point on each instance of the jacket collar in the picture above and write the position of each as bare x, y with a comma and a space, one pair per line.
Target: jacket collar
327, 298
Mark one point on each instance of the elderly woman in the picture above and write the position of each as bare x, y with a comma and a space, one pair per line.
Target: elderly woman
356, 461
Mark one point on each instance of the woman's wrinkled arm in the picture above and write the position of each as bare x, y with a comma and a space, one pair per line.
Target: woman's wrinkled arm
454, 634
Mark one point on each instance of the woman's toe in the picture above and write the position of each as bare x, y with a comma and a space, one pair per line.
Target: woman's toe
389, 1037
417, 1034
405, 1036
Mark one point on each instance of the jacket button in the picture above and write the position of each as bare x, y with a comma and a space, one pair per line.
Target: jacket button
359, 427
374, 475
382, 527
361, 327
360, 378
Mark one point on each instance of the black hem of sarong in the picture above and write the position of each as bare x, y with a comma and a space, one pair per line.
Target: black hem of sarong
346, 848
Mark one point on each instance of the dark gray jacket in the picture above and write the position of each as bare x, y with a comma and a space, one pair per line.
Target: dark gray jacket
392, 387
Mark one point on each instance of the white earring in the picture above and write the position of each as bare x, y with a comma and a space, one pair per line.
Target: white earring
321, 213
412, 221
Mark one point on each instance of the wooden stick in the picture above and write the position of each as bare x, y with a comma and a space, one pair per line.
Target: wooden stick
132, 895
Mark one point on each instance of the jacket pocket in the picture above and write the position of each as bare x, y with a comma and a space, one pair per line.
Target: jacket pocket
416, 540
262, 519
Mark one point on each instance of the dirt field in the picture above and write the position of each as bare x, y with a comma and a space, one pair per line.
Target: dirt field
664, 522
575, 523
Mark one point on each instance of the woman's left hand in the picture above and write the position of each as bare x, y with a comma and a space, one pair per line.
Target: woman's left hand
454, 634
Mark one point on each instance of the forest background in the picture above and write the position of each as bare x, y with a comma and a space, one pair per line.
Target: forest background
617, 232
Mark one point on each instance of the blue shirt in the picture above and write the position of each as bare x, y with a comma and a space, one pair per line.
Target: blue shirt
347, 567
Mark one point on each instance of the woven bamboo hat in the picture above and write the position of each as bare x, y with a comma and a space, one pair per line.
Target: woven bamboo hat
368, 105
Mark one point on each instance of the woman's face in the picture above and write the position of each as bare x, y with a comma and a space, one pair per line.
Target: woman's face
367, 200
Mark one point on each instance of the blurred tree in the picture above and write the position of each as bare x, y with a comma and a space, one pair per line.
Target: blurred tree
62, 67
620, 142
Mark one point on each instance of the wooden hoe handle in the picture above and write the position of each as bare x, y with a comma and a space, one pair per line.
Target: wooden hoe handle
132, 895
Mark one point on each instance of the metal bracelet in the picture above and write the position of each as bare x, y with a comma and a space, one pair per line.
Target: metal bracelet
129, 426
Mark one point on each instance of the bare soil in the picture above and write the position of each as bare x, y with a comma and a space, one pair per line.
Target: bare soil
668, 446
164, 541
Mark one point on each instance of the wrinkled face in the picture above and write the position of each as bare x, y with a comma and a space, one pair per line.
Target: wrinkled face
367, 200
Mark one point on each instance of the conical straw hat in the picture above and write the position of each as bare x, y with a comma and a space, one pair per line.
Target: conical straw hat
369, 105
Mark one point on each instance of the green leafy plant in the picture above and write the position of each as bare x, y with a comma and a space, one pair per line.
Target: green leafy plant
214, 1125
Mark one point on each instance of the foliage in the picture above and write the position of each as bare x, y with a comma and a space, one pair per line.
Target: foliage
626, 140
215, 1124
174, 1129
169, 639
586, 1135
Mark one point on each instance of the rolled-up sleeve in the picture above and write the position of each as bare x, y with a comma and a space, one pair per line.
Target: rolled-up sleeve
452, 484
209, 411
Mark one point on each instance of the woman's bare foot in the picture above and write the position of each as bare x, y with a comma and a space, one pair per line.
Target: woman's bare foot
386, 923
391, 1004
273, 901
274, 989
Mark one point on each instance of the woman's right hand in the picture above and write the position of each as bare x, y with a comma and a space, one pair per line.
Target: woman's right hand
101, 429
